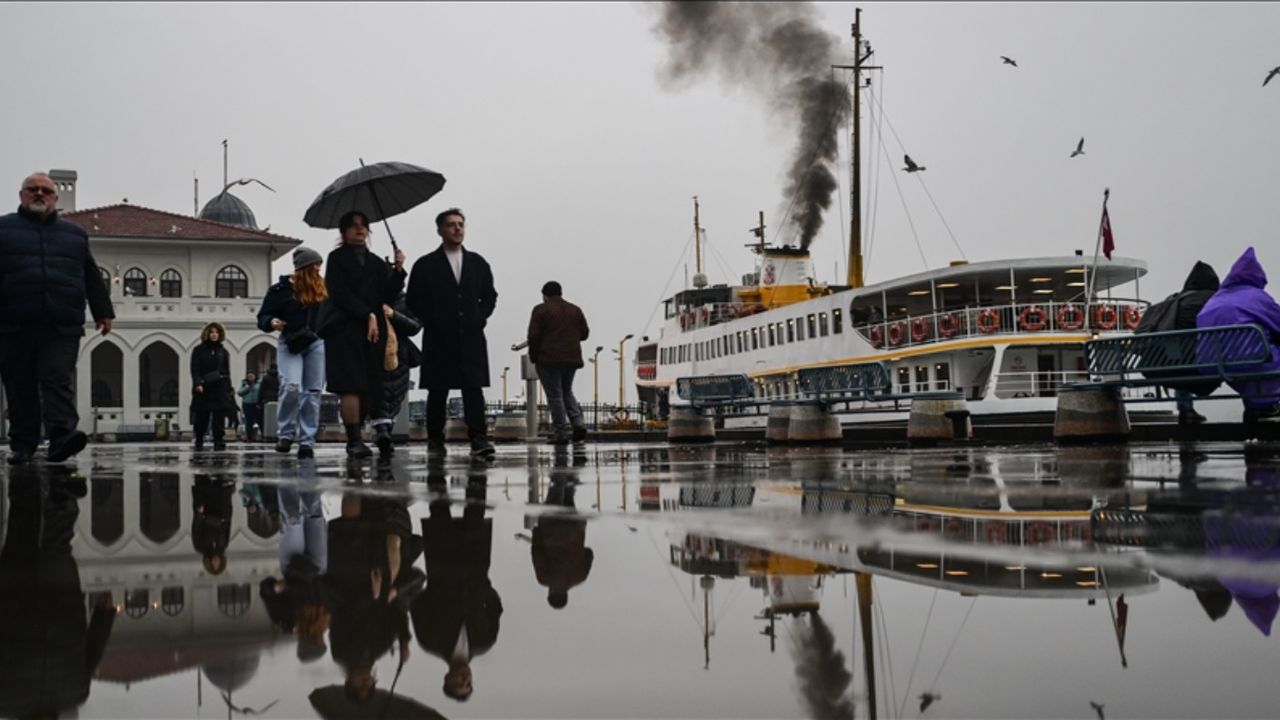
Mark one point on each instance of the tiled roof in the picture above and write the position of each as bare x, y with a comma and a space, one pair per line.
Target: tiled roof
135, 221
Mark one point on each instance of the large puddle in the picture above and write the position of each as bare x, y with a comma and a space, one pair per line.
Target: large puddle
644, 581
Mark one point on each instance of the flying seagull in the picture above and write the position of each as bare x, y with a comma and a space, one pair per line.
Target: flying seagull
1009, 61
927, 699
246, 181
1079, 148
1274, 72
911, 165
1098, 709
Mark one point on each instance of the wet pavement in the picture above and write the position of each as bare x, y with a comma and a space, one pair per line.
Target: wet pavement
731, 580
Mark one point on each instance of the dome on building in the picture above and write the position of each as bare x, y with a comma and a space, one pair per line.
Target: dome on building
229, 209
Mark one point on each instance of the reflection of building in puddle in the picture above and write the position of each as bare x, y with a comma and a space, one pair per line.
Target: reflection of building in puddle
135, 543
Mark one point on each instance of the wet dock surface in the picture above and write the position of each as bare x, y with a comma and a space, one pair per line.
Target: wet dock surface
731, 580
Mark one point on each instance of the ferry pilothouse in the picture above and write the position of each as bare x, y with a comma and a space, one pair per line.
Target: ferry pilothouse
1007, 333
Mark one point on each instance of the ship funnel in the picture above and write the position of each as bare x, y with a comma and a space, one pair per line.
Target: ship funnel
785, 266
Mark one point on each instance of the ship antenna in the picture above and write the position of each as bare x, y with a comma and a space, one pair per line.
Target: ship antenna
697, 238
855, 171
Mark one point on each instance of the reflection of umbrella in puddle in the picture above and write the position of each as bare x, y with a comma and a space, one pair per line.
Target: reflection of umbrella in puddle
333, 704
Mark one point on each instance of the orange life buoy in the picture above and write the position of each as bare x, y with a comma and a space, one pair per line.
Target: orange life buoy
948, 325
1132, 316
895, 334
1038, 533
1105, 317
1070, 317
988, 321
876, 335
919, 329
1026, 322
706, 314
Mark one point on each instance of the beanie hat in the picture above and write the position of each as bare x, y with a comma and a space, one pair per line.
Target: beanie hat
305, 256
552, 289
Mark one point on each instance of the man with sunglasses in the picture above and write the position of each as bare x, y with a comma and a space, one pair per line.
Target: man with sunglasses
47, 275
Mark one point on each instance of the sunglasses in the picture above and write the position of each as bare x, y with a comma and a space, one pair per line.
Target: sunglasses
36, 190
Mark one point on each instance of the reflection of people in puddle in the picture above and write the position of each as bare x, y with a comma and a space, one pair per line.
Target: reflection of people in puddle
561, 560
211, 519
48, 652
370, 580
456, 616
1249, 533
296, 601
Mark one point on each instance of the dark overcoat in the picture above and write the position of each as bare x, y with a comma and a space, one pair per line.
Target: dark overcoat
458, 589
359, 283
211, 368
453, 314
47, 274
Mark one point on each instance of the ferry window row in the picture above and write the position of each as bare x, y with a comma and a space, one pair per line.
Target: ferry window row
791, 330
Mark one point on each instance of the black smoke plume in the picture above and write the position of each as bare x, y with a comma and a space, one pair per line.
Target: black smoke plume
820, 668
779, 51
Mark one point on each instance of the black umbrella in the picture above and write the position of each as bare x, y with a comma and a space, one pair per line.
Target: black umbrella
380, 191
332, 704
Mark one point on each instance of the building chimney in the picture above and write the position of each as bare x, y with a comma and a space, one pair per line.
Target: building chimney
65, 181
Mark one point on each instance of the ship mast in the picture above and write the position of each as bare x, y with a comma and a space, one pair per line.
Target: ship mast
855, 278
697, 236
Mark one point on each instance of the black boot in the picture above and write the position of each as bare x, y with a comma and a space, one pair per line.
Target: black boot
382, 438
355, 446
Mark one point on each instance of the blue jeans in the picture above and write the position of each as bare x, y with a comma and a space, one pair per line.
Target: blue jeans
302, 527
301, 382
557, 383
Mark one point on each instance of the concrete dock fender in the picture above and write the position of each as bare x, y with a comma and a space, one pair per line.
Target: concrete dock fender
1091, 414
508, 428
813, 422
778, 428
932, 418
455, 430
687, 425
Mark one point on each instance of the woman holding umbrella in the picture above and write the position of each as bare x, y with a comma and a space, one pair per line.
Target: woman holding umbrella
355, 333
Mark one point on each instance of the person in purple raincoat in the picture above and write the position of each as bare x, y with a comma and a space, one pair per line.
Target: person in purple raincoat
1249, 532
1242, 299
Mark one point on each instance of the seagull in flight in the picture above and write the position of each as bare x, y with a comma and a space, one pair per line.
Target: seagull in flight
1097, 708
927, 699
1274, 72
911, 165
246, 181
1009, 61
1079, 148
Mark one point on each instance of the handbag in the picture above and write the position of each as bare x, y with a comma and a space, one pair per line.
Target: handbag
300, 339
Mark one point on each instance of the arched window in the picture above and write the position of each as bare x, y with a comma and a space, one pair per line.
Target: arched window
172, 600
170, 284
158, 376
231, 282
106, 518
160, 505
261, 357
233, 600
106, 366
136, 603
135, 283
106, 278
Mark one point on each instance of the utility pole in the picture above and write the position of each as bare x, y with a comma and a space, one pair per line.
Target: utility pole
622, 376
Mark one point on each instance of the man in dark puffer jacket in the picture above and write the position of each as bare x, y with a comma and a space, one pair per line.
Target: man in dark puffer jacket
46, 276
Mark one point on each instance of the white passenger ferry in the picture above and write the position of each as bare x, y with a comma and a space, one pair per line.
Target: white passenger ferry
1007, 333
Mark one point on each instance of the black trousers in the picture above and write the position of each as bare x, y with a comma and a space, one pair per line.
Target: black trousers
472, 410
219, 419
38, 368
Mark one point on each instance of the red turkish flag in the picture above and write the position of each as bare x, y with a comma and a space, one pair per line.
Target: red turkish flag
1108, 240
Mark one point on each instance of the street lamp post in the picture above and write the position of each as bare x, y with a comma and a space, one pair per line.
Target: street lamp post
595, 394
622, 376
504, 387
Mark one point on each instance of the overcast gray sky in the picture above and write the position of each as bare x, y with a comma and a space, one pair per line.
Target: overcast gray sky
574, 162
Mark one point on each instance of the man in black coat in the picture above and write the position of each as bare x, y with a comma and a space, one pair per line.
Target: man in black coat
46, 277
456, 618
1178, 312
451, 293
